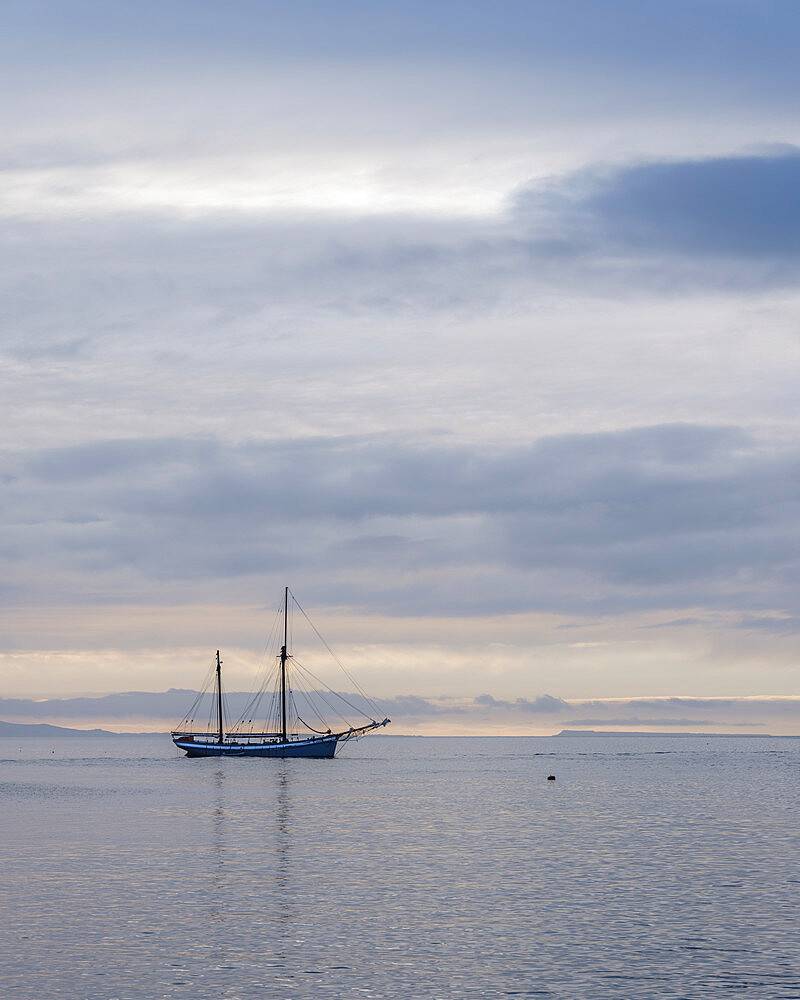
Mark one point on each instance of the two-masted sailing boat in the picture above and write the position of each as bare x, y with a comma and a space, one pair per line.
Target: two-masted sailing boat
283, 733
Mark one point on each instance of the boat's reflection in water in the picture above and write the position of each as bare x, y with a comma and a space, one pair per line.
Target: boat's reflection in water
283, 864
251, 869
218, 848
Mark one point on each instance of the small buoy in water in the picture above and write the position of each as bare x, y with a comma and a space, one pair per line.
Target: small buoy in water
551, 777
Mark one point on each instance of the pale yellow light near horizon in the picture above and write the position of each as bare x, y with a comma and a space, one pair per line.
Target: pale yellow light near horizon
113, 649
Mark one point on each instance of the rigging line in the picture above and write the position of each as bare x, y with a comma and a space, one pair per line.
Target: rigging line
376, 708
207, 693
312, 703
265, 671
332, 707
270, 708
203, 688
273, 632
336, 694
370, 701
319, 732
271, 719
256, 696
312, 696
270, 682
211, 713
264, 674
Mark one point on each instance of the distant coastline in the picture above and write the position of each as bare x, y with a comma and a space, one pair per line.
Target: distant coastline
22, 730
623, 732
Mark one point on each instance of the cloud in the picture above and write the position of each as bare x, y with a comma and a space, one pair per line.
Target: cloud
544, 703
171, 706
661, 517
410, 712
745, 206
779, 624
332, 296
724, 222
689, 58
338, 297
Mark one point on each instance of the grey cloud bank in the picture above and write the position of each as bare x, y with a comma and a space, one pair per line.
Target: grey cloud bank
662, 517
744, 206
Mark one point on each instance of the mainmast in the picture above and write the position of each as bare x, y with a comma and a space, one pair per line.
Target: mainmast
219, 697
283, 661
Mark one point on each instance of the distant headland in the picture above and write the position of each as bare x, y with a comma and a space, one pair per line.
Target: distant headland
22, 729
622, 732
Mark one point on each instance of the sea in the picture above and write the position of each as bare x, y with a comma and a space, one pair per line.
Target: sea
415, 868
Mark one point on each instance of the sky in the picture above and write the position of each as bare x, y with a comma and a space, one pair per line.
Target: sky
474, 323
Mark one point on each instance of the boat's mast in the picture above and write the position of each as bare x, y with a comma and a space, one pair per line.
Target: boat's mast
219, 697
283, 661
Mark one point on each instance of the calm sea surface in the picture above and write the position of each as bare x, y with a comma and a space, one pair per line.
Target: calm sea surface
414, 868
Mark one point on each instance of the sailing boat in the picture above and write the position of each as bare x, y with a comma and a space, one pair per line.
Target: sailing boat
285, 739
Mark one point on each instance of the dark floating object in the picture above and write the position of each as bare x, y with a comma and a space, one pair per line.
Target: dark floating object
551, 777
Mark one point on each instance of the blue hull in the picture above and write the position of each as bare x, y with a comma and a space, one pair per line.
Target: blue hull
321, 747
